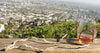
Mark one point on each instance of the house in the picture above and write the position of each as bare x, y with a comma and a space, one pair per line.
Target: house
2, 27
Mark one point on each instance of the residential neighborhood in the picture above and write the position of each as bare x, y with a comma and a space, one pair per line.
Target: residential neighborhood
23, 14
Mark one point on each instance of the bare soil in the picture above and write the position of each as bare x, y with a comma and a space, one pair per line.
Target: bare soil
64, 47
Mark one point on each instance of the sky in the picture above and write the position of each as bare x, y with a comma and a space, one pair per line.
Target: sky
95, 2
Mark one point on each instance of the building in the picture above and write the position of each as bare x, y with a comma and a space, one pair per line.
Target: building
2, 27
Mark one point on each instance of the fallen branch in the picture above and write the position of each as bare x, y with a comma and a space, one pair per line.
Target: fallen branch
35, 48
68, 32
48, 41
37, 39
63, 36
12, 46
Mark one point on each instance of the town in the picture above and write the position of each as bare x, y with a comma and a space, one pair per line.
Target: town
18, 15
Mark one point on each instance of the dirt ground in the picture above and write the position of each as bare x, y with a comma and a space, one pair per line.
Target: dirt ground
64, 46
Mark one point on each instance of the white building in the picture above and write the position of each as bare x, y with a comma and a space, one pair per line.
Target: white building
2, 27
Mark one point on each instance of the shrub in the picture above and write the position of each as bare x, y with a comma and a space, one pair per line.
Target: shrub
55, 30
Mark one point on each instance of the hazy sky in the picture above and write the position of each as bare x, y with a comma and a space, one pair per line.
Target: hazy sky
96, 2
